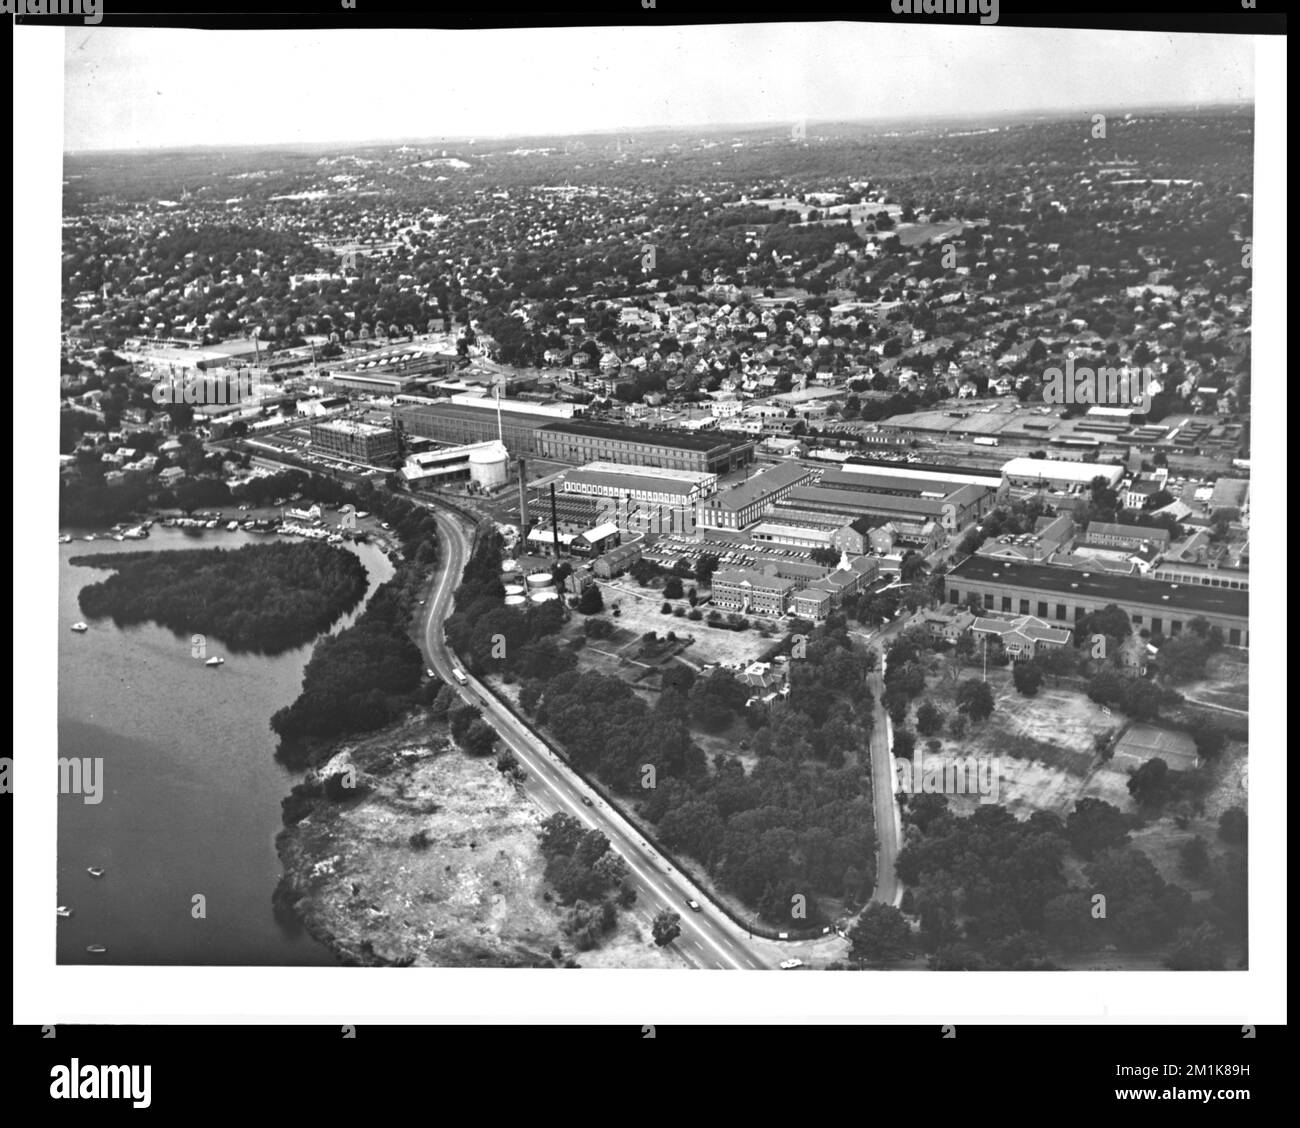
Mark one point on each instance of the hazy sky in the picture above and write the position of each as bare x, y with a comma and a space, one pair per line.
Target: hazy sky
128, 88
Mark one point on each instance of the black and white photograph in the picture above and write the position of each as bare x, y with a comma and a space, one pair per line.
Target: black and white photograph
734, 497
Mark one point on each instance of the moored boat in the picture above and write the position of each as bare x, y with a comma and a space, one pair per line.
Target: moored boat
95, 871
80, 628
63, 911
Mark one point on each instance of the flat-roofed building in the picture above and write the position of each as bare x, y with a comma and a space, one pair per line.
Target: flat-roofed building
654, 485
969, 501
580, 441
952, 512
945, 473
1207, 575
461, 424
742, 505
357, 442
1062, 596
1040, 473
551, 411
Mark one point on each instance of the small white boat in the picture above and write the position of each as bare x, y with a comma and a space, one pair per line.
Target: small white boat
118, 537
64, 538
89, 537
80, 628
215, 661
95, 871
96, 949
63, 911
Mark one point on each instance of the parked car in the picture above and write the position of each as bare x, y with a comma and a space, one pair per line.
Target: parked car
693, 904
789, 965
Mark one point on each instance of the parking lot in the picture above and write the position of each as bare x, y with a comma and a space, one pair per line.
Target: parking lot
731, 554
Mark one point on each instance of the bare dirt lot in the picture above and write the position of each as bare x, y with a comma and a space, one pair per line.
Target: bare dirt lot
1056, 727
474, 896
1045, 746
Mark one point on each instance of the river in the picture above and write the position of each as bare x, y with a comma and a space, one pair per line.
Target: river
191, 789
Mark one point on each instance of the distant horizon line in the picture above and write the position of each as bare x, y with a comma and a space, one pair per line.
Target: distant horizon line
611, 131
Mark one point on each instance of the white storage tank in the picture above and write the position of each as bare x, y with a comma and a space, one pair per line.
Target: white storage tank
489, 466
515, 601
540, 580
544, 596
514, 589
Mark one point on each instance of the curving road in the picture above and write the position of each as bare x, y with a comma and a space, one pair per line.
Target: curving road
708, 939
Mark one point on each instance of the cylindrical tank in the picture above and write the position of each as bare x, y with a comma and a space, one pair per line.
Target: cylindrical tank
515, 601
540, 580
544, 596
514, 589
490, 466
509, 566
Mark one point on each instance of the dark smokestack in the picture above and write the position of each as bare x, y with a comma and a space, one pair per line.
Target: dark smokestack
555, 523
523, 506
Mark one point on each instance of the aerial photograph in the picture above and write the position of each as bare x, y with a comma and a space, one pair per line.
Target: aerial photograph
769, 497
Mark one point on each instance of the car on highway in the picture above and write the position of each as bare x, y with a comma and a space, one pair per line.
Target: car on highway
586, 801
789, 965
430, 673
693, 904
